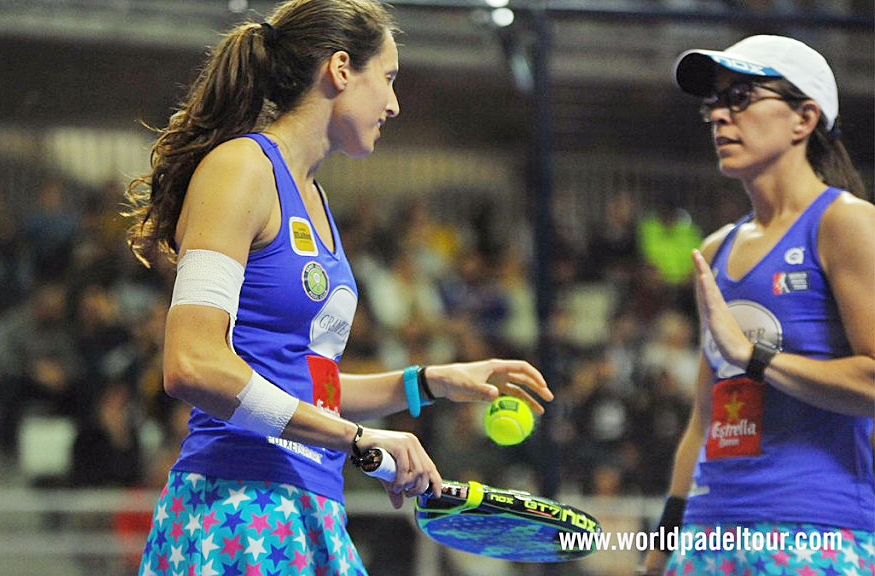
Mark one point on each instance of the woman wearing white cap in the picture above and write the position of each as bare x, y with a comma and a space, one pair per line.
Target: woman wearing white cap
776, 459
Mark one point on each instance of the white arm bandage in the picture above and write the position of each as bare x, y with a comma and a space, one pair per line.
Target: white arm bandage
263, 408
209, 278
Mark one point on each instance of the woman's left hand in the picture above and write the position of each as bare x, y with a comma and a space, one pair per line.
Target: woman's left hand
485, 380
734, 346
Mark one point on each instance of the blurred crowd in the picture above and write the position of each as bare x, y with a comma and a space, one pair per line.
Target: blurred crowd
81, 329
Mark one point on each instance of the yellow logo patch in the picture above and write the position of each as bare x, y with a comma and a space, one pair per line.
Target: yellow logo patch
303, 242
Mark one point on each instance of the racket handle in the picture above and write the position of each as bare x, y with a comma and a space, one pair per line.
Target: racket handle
378, 463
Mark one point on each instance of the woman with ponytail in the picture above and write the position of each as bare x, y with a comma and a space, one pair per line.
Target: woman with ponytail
777, 454
264, 298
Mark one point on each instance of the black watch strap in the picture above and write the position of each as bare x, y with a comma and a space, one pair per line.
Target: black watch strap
763, 352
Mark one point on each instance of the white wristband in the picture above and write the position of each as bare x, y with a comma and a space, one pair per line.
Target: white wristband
264, 408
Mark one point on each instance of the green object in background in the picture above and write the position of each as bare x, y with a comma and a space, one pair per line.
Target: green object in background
665, 242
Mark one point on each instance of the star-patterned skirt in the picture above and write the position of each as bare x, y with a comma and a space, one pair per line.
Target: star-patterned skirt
205, 526
817, 552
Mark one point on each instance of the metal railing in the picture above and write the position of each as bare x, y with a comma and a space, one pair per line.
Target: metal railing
102, 532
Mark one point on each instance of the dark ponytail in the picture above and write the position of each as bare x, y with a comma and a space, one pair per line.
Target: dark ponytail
257, 72
831, 161
826, 153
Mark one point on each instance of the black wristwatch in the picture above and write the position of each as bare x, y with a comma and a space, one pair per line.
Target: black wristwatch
763, 352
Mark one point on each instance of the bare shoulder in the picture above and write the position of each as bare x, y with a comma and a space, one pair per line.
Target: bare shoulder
229, 200
712, 242
847, 232
235, 173
240, 158
848, 214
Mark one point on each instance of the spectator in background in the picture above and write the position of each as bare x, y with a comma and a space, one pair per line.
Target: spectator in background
40, 366
49, 229
518, 329
665, 238
612, 251
101, 339
13, 267
432, 245
145, 366
670, 351
95, 250
407, 308
659, 411
594, 411
623, 350
106, 451
475, 301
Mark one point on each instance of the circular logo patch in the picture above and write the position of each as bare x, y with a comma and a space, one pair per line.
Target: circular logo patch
315, 281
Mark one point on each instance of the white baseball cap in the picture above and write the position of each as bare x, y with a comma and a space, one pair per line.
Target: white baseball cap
769, 57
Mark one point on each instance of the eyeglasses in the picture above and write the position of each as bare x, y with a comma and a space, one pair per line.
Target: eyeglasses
737, 98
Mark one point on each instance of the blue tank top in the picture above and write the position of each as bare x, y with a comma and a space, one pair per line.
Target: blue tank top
296, 307
768, 456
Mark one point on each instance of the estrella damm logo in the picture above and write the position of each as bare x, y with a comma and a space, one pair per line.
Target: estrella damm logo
315, 281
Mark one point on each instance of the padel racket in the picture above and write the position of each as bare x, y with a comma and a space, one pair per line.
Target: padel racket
508, 524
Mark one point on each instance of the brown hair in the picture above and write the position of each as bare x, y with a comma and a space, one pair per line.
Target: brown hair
826, 153
256, 73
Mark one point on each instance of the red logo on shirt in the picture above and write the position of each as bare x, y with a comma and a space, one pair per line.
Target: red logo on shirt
326, 383
736, 419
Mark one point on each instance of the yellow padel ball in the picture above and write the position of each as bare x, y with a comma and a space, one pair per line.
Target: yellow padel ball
508, 420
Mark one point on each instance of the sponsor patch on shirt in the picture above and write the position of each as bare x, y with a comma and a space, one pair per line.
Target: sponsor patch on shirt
795, 255
787, 282
315, 281
330, 328
326, 383
303, 241
736, 419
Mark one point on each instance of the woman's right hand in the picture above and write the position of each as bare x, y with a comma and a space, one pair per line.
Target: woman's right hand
415, 469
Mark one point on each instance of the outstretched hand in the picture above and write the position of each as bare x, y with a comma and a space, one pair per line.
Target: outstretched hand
485, 380
714, 313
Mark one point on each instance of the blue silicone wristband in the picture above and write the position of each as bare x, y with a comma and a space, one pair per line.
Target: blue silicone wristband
411, 389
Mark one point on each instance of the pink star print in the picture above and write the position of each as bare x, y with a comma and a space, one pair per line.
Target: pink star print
283, 530
176, 531
328, 521
253, 570
232, 546
259, 523
178, 506
209, 521
300, 561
